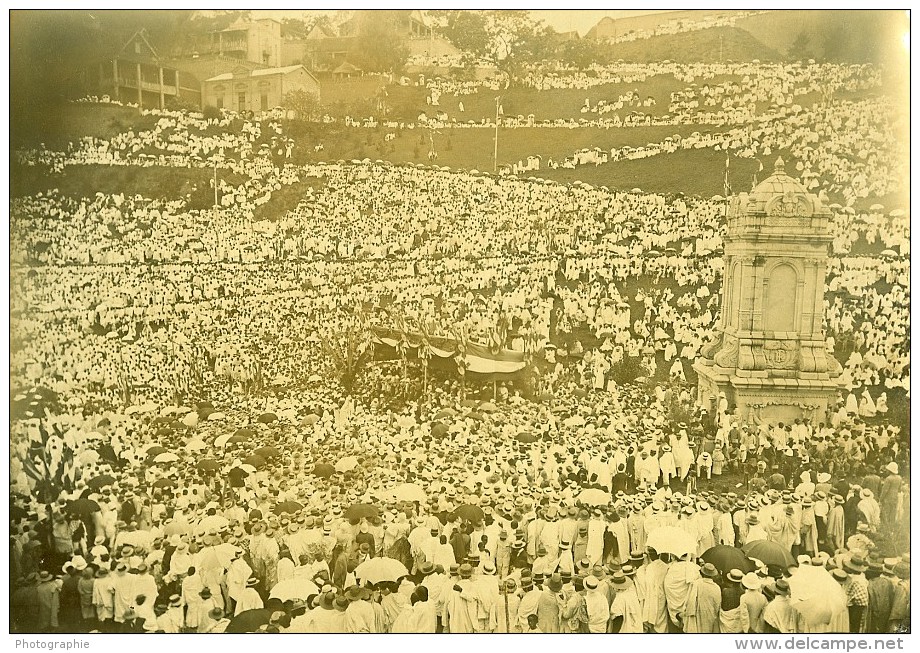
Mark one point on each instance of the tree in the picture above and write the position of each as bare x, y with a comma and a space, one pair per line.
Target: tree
507, 39
381, 47
800, 48
301, 102
348, 349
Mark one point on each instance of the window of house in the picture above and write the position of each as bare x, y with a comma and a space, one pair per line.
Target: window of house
264, 101
241, 101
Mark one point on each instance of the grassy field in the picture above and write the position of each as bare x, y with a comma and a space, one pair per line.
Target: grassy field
408, 102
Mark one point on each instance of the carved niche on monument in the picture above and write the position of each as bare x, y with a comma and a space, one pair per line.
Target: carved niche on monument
768, 353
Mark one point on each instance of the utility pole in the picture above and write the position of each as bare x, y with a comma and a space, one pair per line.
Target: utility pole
720, 48
495, 153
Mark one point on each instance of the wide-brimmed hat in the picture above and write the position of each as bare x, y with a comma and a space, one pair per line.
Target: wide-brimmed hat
781, 587
709, 570
751, 581
555, 583
175, 601
856, 563
252, 581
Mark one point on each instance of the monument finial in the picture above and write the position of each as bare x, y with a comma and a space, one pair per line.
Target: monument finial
780, 165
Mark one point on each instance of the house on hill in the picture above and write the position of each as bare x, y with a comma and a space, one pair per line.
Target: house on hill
256, 90
137, 74
258, 41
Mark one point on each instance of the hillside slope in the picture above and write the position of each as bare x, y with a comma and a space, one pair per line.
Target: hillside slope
702, 46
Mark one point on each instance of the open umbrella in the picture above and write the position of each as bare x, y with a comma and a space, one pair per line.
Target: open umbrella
82, 506
725, 558
410, 492
267, 418
249, 621
221, 440
164, 482
346, 464
309, 420
294, 588
164, 458
670, 539
593, 497
438, 430
212, 522
289, 507
208, 465
323, 470
361, 511
100, 481
377, 570
816, 596
470, 512
526, 436
769, 553
237, 439
156, 450
244, 433
488, 407
255, 460
445, 413
267, 452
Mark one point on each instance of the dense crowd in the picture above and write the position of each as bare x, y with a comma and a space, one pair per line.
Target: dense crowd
186, 456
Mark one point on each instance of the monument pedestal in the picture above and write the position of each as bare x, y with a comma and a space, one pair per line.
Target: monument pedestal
768, 355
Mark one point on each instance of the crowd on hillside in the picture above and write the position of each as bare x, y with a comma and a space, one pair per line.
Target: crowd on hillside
185, 455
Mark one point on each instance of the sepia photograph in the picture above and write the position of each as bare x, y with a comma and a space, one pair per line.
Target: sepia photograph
457, 321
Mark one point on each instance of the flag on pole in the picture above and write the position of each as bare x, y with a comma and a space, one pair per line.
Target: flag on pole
759, 169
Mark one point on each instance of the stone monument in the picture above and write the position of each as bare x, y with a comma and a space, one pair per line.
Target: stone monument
768, 355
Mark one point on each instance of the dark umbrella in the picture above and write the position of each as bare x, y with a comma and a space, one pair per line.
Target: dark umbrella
82, 506
254, 460
267, 418
289, 507
323, 470
526, 436
438, 430
476, 416
244, 433
249, 621
156, 450
236, 439
725, 558
100, 481
361, 511
267, 453
447, 412
769, 553
208, 465
164, 482
470, 513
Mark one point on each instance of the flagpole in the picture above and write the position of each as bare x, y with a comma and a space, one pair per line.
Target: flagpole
495, 153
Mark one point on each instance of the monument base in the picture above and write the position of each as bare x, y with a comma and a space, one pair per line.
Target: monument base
764, 399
